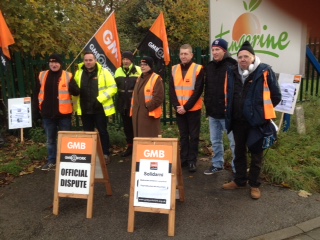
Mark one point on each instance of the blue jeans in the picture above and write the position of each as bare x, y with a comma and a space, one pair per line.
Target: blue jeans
217, 128
51, 127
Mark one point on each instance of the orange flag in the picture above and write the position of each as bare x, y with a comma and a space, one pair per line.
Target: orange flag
6, 38
105, 45
155, 44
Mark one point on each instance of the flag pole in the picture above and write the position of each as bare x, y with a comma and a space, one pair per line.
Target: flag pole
90, 40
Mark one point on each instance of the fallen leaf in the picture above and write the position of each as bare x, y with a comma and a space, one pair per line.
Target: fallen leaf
286, 185
303, 193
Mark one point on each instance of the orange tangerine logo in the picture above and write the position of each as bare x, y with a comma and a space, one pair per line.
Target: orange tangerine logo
247, 27
247, 23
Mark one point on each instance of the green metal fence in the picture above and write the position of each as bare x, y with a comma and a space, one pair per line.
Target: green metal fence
19, 78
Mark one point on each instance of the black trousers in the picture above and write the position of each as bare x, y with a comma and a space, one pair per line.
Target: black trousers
98, 120
240, 132
127, 128
189, 128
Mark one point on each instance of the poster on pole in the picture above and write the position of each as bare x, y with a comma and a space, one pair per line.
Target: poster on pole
19, 113
289, 86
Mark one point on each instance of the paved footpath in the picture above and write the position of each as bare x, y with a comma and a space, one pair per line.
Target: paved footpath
209, 212
308, 230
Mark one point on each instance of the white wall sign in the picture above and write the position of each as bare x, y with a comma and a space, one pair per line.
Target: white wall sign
19, 113
277, 38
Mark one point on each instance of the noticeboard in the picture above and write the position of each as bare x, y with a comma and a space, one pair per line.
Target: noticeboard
80, 163
289, 86
156, 178
19, 111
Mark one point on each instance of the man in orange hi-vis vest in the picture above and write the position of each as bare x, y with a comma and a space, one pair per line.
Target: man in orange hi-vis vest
186, 87
252, 91
52, 101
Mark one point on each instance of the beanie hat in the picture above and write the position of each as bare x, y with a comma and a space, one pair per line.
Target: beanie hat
246, 46
148, 60
128, 55
55, 58
221, 43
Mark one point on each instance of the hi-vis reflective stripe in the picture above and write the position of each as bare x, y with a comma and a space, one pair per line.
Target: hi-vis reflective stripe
194, 77
183, 98
108, 107
65, 99
148, 96
151, 84
106, 87
269, 112
125, 91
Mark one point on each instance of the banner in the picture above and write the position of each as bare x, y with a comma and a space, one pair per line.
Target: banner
155, 44
6, 39
105, 45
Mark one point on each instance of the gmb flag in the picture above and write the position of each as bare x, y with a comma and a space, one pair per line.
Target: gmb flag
6, 39
155, 44
105, 45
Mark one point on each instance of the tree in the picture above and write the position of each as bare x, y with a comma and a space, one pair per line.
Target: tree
61, 26
52, 26
186, 21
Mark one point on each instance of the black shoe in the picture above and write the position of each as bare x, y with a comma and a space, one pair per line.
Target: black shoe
184, 164
192, 167
127, 153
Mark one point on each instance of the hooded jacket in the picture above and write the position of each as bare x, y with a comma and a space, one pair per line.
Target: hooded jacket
244, 102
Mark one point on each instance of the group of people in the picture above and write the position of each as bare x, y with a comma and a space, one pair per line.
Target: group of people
238, 95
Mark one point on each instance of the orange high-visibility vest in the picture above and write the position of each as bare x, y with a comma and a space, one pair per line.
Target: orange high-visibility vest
184, 87
65, 103
148, 94
268, 108
269, 112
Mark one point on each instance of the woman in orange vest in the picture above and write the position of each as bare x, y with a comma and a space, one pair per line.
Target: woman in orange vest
147, 100
252, 91
52, 101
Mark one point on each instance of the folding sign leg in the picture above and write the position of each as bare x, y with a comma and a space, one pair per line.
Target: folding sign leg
171, 222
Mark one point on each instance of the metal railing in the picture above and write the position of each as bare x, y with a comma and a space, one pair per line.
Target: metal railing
19, 78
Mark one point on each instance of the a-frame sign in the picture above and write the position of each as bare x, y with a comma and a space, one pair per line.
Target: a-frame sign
156, 178
80, 163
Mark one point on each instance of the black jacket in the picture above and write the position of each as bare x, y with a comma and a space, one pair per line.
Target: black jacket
89, 91
245, 101
215, 74
126, 80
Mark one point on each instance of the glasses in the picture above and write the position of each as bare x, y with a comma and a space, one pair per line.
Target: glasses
143, 64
